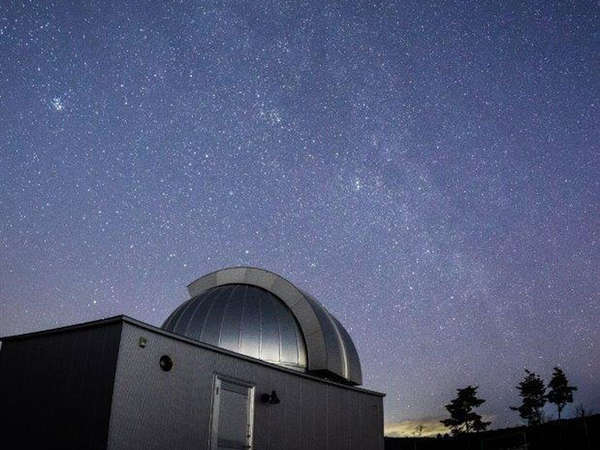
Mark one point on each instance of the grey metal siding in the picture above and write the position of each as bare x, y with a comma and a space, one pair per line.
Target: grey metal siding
154, 409
56, 388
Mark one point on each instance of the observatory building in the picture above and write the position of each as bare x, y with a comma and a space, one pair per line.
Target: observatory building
248, 362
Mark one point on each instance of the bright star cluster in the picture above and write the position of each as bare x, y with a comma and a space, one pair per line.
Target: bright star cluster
430, 171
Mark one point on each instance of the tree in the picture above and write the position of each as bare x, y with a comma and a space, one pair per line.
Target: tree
533, 393
419, 430
580, 411
462, 418
560, 392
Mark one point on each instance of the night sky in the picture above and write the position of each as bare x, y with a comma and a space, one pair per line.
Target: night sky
428, 170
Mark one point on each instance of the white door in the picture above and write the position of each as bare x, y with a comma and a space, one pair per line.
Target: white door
233, 412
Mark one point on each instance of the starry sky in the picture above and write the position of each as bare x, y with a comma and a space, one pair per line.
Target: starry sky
429, 170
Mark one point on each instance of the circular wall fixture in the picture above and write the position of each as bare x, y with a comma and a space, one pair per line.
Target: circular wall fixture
166, 363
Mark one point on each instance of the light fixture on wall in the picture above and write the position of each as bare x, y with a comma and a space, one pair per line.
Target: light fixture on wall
271, 399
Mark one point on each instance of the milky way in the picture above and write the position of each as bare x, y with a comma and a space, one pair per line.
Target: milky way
429, 172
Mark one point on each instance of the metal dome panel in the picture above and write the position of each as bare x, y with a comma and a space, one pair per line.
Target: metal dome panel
217, 316
245, 319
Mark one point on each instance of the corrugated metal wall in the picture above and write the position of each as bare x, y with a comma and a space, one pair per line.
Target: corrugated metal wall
56, 389
154, 409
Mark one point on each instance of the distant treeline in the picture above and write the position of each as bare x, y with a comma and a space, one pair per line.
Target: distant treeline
534, 395
581, 433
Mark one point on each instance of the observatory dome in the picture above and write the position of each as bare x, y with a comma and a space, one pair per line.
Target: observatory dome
260, 314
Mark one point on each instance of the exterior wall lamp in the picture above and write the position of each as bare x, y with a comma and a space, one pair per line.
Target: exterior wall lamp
271, 399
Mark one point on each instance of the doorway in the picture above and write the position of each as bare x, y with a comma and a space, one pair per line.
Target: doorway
233, 414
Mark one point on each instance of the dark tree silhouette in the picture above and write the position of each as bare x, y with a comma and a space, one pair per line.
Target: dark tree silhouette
580, 411
462, 418
560, 392
533, 393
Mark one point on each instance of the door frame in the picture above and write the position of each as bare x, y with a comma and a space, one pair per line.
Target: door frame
216, 400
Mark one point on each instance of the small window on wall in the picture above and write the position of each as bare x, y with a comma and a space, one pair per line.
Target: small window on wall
232, 415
